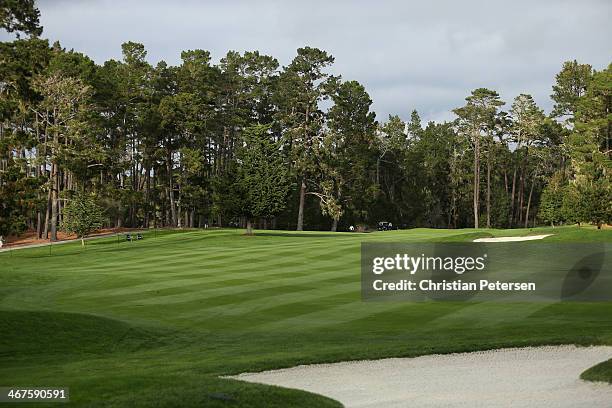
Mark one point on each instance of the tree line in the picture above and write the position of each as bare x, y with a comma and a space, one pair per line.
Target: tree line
246, 141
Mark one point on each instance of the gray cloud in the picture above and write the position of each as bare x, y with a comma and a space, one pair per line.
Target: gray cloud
422, 55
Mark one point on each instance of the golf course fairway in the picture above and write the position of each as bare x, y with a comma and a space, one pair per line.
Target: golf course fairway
158, 322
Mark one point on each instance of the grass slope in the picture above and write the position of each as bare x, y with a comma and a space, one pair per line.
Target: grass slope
156, 322
600, 372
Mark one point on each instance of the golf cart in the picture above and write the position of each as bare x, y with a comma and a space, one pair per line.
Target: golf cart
385, 226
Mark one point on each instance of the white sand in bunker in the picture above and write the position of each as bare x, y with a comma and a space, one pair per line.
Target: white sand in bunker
521, 377
513, 239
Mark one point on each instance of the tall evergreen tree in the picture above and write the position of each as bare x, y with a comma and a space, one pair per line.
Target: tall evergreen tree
302, 86
475, 121
263, 178
571, 84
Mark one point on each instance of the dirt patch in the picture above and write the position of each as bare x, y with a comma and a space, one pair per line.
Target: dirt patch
30, 238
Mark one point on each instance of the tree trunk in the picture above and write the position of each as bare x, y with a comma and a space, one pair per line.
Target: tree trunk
54, 197
249, 227
521, 196
476, 178
173, 214
506, 180
512, 198
47, 215
38, 224
300, 220
147, 204
82, 242
489, 188
179, 212
334, 227
455, 214
529, 202
60, 208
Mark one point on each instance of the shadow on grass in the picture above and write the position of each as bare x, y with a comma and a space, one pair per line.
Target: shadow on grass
44, 333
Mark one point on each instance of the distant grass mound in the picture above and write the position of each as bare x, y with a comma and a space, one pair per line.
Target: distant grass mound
600, 372
26, 334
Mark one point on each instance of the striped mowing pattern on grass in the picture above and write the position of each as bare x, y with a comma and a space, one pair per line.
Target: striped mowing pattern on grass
201, 275
155, 322
305, 279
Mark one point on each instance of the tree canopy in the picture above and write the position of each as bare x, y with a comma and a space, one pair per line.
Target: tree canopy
20, 16
246, 141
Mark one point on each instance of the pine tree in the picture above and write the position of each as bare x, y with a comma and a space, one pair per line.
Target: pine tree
476, 121
551, 203
590, 148
302, 86
263, 180
20, 16
571, 84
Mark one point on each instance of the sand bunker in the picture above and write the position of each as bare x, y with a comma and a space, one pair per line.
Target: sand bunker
513, 239
525, 377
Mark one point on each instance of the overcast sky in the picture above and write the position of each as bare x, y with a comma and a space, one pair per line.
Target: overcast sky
424, 55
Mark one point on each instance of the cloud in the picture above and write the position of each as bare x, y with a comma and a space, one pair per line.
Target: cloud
425, 56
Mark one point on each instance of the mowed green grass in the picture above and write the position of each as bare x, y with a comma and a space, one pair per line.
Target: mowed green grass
601, 372
157, 322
